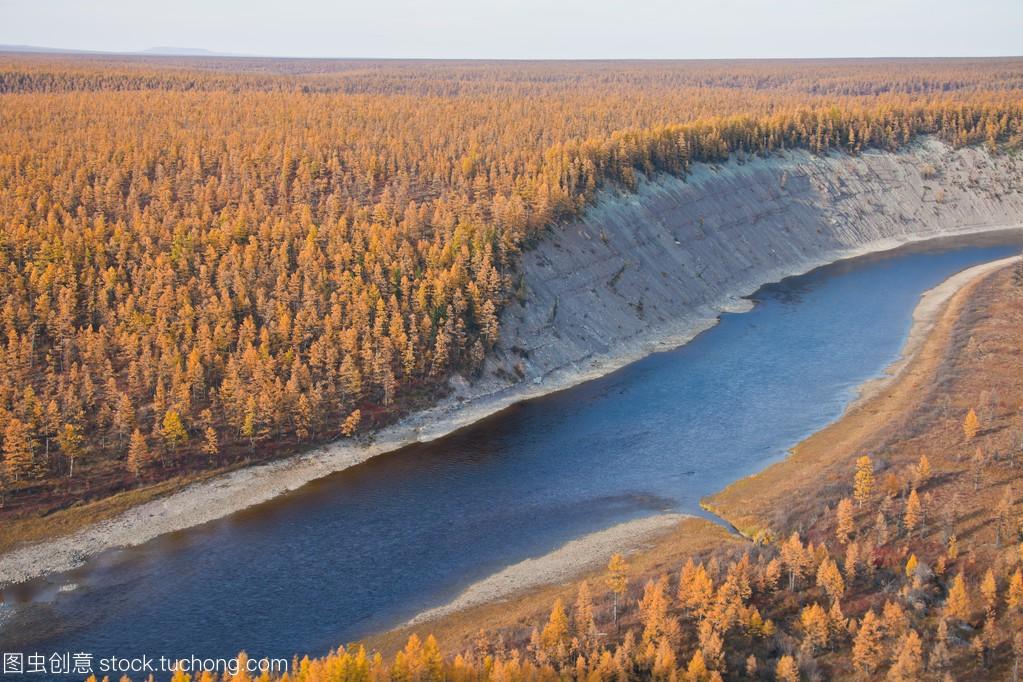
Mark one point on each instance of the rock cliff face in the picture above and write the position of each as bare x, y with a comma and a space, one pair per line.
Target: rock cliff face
647, 270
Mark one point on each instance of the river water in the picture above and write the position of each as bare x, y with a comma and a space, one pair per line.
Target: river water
366, 548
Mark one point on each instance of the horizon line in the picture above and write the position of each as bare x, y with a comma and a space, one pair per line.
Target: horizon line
205, 53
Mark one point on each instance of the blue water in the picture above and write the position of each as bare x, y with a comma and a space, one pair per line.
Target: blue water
365, 548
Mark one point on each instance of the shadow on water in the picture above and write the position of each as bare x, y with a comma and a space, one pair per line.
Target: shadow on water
370, 546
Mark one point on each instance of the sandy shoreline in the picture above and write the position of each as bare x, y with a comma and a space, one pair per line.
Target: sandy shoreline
932, 303
216, 498
565, 563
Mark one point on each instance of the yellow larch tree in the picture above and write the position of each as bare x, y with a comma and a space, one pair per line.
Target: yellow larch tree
653, 608
583, 616
786, 670
989, 592
617, 581
911, 565
913, 514
863, 480
868, 646
138, 453
816, 627
908, 665
794, 556
830, 579
971, 425
922, 472
555, 632
845, 520
1014, 594
958, 605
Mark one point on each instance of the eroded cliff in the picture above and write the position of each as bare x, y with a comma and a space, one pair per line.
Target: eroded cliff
647, 270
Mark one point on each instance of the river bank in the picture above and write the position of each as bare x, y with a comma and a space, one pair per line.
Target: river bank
574, 558
223, 495
522, 593
761, 504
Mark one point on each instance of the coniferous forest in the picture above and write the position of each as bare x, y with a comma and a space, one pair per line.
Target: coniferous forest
212, 261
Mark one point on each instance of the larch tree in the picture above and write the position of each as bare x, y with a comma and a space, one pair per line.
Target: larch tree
989, 592
695, 589
555, 632
697, 668
123, 418
1014, 593
958, 605
351, 423
977, 468
868, 646
863, 480
173, 431
665, 662
786, 670
250, 427
751, 666
138, 454
18, 451
911, 565
845, 520
617, 581
69, 439
838, 622
49, 426
816, 627
583, 616
851, 563
772, 575
795, 558
939, 658
913, 514
830, 579
303, 418
971, 425
432, 660
894, 619
908, 665
211, 443
922, 471
711, 645
653, 608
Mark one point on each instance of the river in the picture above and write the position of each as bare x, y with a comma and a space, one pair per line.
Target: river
371, 546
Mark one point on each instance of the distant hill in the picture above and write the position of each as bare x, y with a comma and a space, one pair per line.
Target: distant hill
182, 52
161, 51
36, 48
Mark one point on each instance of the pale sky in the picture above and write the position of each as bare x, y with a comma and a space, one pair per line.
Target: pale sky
556, 29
